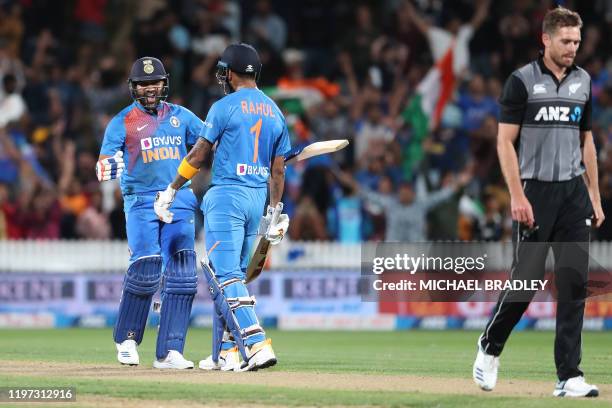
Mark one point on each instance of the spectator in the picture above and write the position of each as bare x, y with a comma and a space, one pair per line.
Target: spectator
266, 27
406, 213
92, 223
475, 104
307, 223
12, 105
455, 34
371, 134
44, 215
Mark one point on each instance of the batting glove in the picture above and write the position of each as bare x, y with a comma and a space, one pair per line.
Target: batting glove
162, 204
111, 167
273, 232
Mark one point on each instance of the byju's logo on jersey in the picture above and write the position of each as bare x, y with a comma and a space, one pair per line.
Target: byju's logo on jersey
146, 144
243, 169
558, 114
160, 148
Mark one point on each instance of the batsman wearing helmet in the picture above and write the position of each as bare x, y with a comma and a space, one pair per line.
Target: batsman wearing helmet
143, 146
251, 140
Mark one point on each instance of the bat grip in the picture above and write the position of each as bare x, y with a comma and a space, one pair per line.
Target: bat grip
276, 214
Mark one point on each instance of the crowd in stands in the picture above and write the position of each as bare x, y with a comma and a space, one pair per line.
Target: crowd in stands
342, 69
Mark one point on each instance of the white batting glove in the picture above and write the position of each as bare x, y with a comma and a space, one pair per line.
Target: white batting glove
162, 204
111, 167
273, 232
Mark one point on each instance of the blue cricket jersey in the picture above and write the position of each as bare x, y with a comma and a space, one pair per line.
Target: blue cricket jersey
153, 146
251, 131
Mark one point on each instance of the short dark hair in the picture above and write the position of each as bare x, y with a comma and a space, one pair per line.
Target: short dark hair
558, 18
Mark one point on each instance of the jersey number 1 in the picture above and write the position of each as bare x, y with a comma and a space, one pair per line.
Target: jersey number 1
256, 128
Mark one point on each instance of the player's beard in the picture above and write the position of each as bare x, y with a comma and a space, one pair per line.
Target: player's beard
150, 99
563, 60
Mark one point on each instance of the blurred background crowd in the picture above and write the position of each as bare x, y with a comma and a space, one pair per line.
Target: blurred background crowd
341, 69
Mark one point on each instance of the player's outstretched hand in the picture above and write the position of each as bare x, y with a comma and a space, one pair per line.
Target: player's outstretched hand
162, 204
111, 167
274, 229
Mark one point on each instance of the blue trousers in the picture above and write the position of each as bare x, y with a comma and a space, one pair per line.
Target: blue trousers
147, 235
231, 218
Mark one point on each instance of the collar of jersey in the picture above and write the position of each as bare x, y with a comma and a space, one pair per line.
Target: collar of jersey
545, 69
248, 89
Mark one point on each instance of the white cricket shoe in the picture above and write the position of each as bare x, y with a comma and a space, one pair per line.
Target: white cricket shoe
260, 355
485, 368
575, 387
127, 353
229, 360
174, 360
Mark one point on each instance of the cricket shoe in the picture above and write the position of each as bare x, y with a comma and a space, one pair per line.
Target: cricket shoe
174, 360
127, 353
575, 387
260, 355
229, 360
485, 368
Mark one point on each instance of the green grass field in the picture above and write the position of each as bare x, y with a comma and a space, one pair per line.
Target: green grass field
412, 368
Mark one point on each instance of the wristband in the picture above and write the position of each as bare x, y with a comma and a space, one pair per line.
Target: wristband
186, 170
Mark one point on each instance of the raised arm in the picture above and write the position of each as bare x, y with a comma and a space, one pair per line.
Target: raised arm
480, 15
421, 24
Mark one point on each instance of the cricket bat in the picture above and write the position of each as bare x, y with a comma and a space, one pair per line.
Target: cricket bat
316, 149
262, 245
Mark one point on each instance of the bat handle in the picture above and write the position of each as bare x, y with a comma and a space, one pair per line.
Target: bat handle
277, 212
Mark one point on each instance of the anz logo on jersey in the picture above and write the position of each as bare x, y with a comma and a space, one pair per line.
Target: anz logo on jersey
558, 114
243, 169
160, 148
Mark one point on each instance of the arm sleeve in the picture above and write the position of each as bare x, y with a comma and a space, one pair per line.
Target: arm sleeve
114, 137
282, 145
436, 198
194, 127
214, 124
375, 198
513, 101
586, 121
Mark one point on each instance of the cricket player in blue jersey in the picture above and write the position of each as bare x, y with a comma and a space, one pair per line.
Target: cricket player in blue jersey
143, 147
251, 140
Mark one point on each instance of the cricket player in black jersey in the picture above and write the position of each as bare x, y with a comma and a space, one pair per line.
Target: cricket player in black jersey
548, 159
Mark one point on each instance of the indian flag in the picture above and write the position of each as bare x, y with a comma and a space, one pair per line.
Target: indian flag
424, 110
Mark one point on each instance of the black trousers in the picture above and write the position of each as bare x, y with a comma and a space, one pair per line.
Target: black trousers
562, 212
